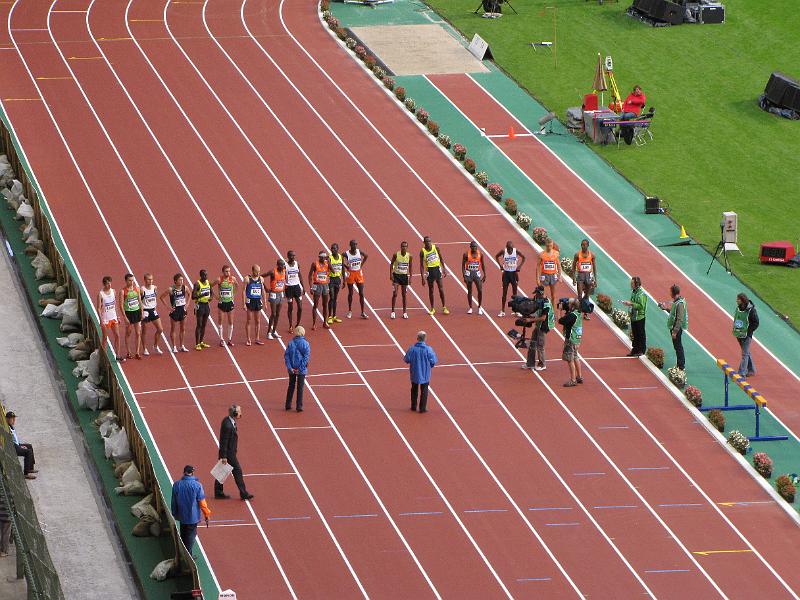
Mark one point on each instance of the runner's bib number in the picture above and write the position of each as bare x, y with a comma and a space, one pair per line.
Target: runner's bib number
510, 263
355, 264
336, 269
322, 277
255, 292
180, 301
273, 296
226, 294
401, 268
431, 259
205, 292
132, 304
585, 267
549, 265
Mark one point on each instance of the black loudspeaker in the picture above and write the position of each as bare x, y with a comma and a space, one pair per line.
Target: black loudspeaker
783, 91
652, 205
660, 10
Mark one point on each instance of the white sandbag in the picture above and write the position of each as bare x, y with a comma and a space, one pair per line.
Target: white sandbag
30, 234
25, 211
47, 288
138, 509
77, 354
117, 447
60, 291
103, 399
62, 341
52, 311
162, 570
43, 266
17, 190
130, 475
75, 339
87, 398
108, 428
69, 312
134, 488
81, 370
94, 367
107, 416
68, 328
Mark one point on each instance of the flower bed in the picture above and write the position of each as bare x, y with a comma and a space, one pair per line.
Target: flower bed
370, 61
524, 220
388, 82
410, 104
495, 191
717, 419
444, 140
470, 166
739, 441
460, 152
567, 266
422, 115
482, 178
604, 302
400, 93
378, 71
540, 235
433, 128
763, 464
678, 378
693, 395
785, 488
511, 206
656, 356
621, 318
351, 43
361, 52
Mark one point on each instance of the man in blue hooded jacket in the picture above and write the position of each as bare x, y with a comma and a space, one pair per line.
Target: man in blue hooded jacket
420, 358
298, 351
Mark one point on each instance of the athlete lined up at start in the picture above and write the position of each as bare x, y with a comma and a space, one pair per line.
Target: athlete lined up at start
284, 282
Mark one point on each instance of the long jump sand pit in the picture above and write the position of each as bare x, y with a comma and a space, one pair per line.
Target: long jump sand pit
418, 49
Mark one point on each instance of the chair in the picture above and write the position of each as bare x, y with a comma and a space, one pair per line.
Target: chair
641, 131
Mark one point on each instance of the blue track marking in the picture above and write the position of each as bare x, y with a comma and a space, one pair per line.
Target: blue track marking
354, 516
534, 579
667, 571
561, 524
486, 510
613, 427
589, 473
288, 518
617, 506
550, 508
686, 504
414, 514
648, 468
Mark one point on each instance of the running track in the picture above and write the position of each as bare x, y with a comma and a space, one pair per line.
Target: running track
182, 136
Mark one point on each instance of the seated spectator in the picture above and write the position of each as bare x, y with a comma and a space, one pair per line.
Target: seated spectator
23, 449
634, 104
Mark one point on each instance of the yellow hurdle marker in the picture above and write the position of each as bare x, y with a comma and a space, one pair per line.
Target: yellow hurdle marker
759, 402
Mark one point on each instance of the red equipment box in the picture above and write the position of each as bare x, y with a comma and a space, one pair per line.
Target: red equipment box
778, 253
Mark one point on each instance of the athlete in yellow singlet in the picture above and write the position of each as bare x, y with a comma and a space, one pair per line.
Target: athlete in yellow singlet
432, 269
399, 273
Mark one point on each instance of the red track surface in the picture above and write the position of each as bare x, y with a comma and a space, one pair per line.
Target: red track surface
508, 487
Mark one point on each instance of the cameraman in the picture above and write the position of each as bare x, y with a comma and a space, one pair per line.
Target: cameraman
543, 321
573, 331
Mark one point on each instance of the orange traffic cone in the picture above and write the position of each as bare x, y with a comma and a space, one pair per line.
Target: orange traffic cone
511, 134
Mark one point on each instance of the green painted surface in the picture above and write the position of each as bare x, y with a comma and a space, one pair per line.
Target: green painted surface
714, 149
703, 372
400, 12
145, 553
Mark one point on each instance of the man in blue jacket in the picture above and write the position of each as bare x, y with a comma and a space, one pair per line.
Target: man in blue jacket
188, 503
420, 358
298, 351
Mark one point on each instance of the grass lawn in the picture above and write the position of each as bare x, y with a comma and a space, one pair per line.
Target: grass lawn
714, 149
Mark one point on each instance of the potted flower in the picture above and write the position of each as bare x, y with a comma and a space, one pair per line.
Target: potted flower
567, 266
483, 179
524, 220
378, 71
422, 115
495, 190
739, 441
511, 206
400, 93
540, 235
717, 419
444, 140
361, 52
410, 104
370, 61
460, 152
763, 464
604, 302
433, 128
785, 488
388, 82
621, 319
678, 378
351, 43
693, 395
324, 5
470, 166
341, 33
656, 355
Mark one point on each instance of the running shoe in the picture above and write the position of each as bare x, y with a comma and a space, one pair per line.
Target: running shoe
204, 345
579, 380
146, 352
222, 343
198, 347
391, 315
337, 320
259, 343
405, 315
571, 383
184, 349
432, 311
330, 320
349, 315
480, 310
469, 311
526, 368
230, 343
175, 349
541, 367
445, 311
269, 337
276, 335
159, 350
364, 316
501, 314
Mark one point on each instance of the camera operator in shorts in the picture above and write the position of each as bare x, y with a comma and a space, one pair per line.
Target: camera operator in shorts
542, 321
573, 332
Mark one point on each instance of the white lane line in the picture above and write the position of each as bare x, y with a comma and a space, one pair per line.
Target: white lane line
627, 409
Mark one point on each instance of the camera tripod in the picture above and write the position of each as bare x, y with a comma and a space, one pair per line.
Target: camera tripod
721, 248
497, 3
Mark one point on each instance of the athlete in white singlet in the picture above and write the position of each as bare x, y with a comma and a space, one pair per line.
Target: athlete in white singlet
150, 314
510, 261
109, 321
294, 289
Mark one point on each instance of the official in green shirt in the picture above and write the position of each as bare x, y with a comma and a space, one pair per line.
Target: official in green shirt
638, 306
677, 323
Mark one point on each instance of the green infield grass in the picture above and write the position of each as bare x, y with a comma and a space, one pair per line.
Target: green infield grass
714, 149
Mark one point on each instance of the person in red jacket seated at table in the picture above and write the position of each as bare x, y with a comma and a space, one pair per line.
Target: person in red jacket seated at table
633, 105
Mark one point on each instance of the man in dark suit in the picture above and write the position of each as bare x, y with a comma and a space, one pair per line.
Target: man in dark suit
228, 445
24, 450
